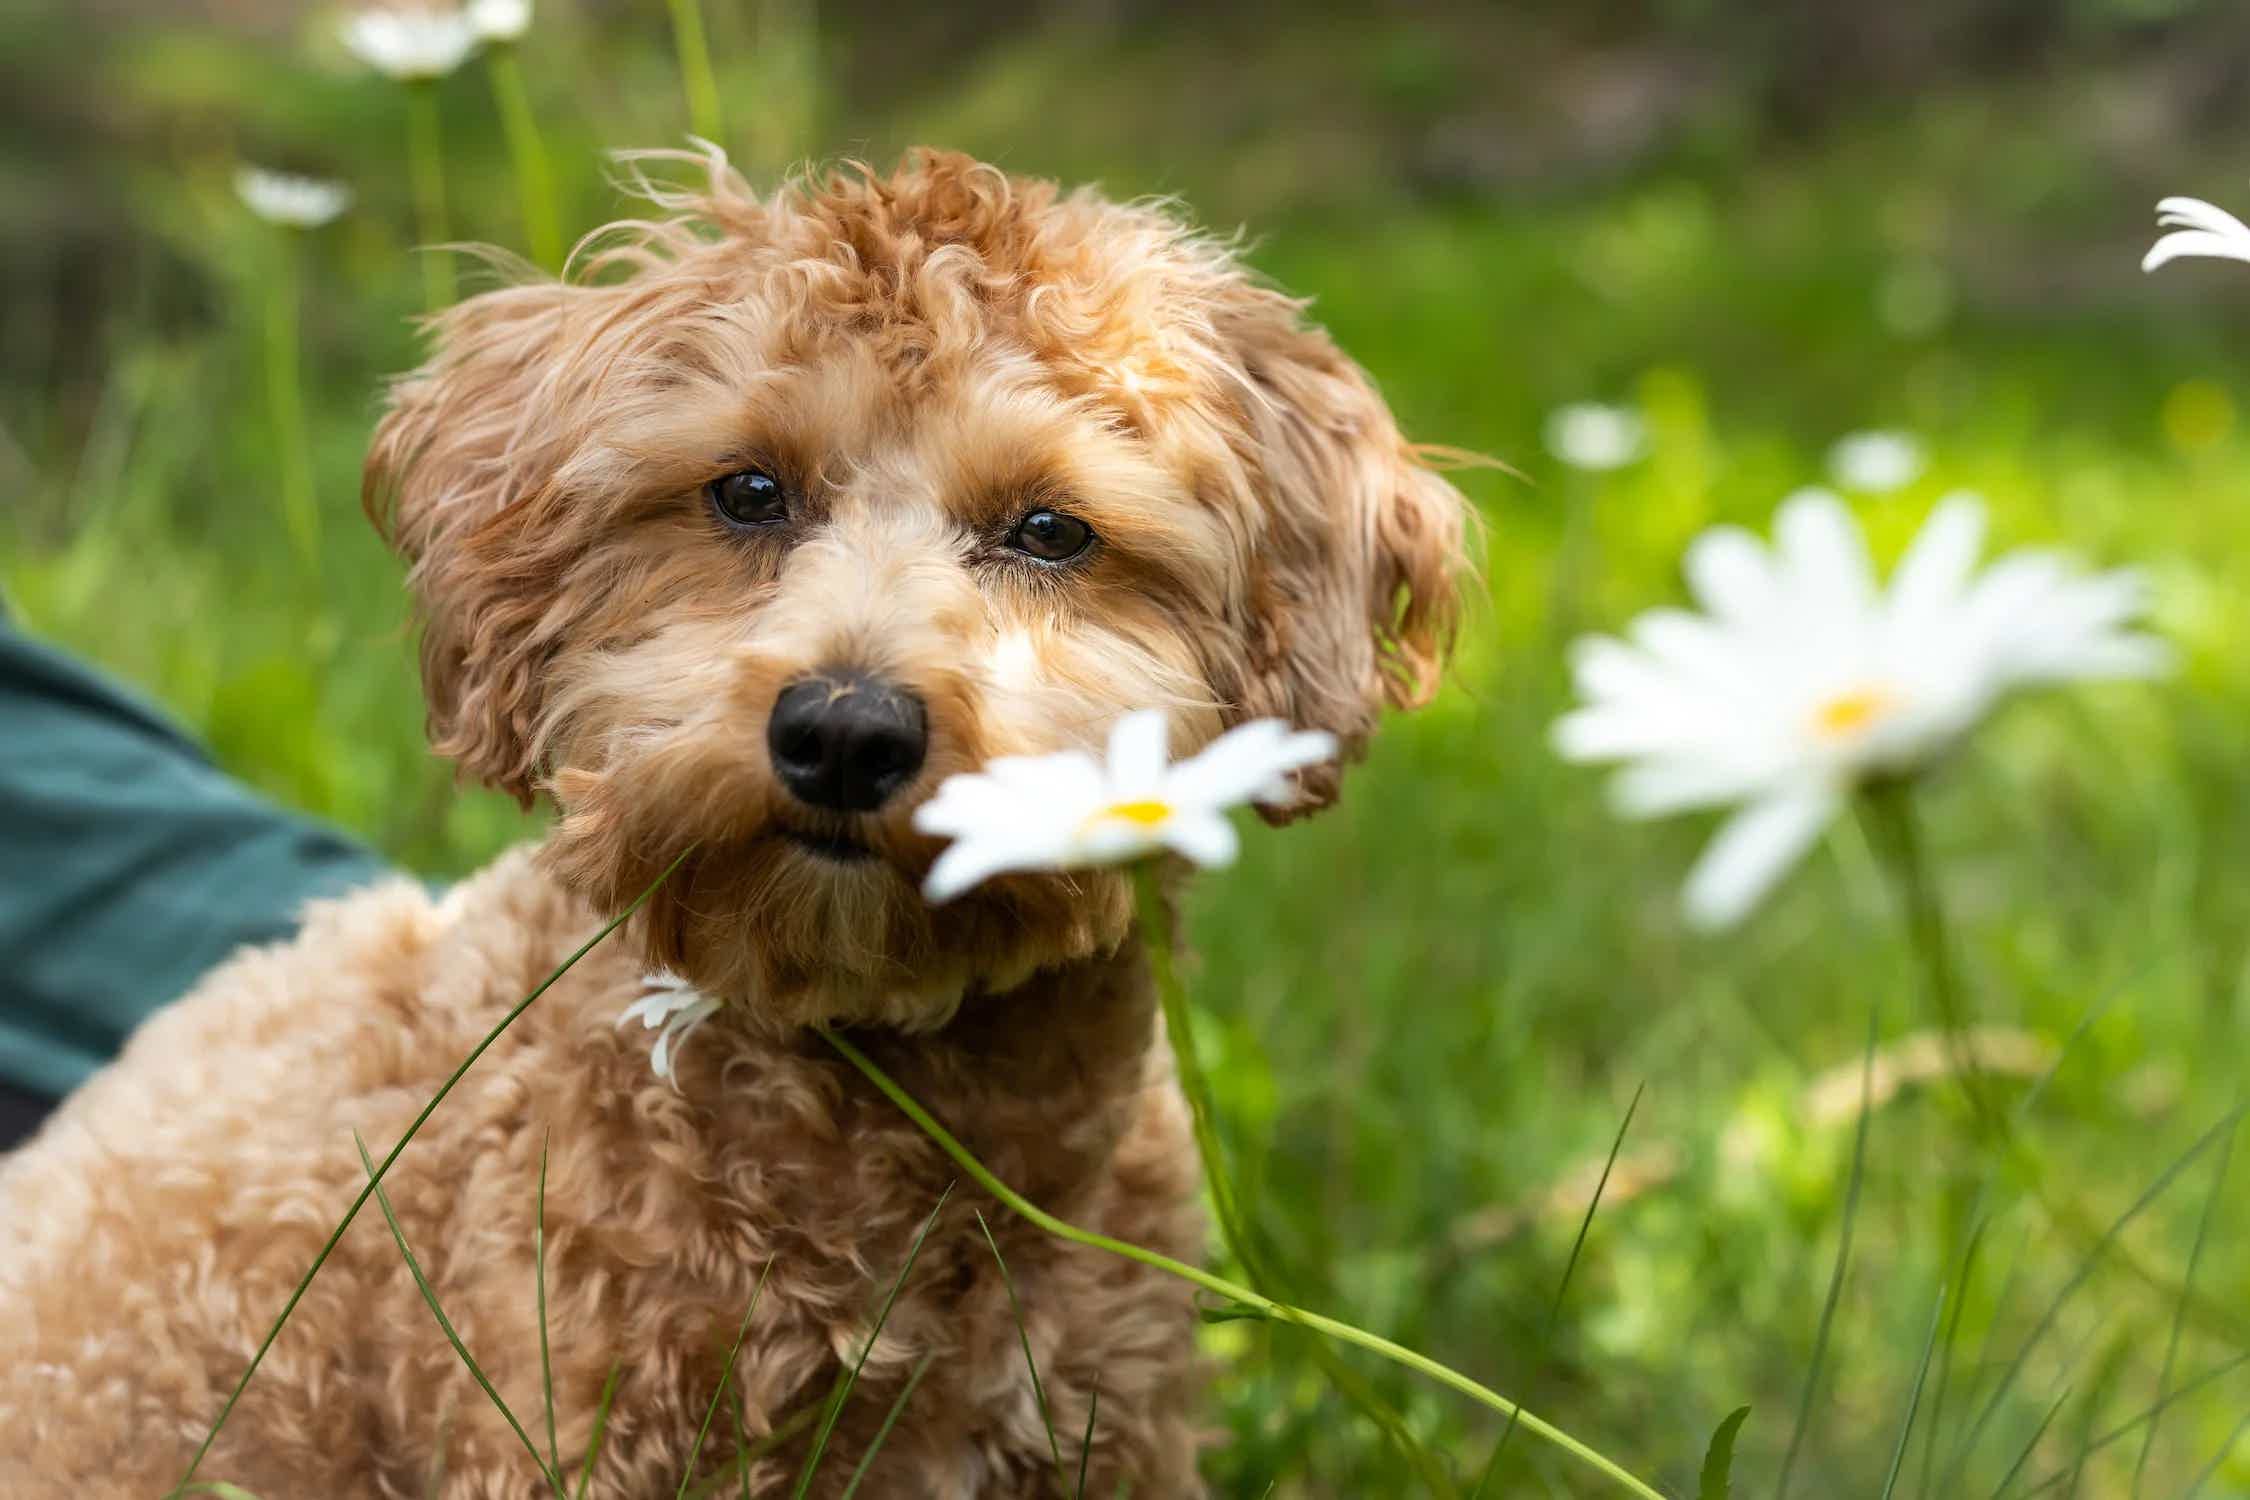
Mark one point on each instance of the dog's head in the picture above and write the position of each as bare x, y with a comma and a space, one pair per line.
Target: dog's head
793, 507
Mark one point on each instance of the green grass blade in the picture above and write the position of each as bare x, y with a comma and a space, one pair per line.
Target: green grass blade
337, 1235
1023, 1337
546, 1356
429, 1295
2077, 1278
2135, 1423
1914, 1399
2032, 1445
1716, 1479
601, 1430
2204, 1477
741, 1447
2180, 1308
726, 1373
1843, 1264
844, 1387
1554, 1306
1933, 1430
898, 1404
1086, 1440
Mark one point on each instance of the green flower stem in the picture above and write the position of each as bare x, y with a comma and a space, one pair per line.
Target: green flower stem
425, 163
1219, 1285
1888, 808
535, 184
1156, 929
701, 83
1234, 1226
286, 403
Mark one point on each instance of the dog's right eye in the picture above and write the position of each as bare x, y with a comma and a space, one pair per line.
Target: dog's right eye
748, 497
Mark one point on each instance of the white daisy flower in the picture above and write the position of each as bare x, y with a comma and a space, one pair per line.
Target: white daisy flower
1068, 810
500, 20
1587, 435
1802, 679
673, 1007
1875, 463
2198, 228
410, 45
285, 198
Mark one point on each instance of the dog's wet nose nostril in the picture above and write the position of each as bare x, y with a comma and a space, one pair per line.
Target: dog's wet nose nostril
846, 744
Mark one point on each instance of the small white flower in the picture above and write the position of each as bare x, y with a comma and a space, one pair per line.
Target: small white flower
1588, 435
1068, 810
1875, 463
500, 20
672, 1006
285, 198
2198, 228
1801, 678
410, 45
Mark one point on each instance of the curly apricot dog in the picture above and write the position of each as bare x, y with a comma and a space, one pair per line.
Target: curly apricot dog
988, 465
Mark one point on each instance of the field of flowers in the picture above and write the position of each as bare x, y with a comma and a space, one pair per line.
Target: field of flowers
1802, 959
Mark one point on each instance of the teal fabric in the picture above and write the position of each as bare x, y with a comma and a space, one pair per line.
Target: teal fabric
129, 865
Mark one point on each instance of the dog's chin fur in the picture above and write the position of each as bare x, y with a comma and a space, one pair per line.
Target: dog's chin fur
919, 360
794, 937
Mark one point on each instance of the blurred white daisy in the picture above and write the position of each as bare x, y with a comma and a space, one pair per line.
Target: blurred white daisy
2198, 228
1588, 435
1875, 463
410, 45
1068, 810
500, 20
285, 198
1802, 679
672, 1007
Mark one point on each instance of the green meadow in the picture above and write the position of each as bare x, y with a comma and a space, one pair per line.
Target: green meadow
1427, 1013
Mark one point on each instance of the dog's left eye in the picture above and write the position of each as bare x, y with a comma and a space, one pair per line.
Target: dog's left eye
1051, 536
749, 497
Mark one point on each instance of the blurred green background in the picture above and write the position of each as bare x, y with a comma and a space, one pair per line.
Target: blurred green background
1760, 227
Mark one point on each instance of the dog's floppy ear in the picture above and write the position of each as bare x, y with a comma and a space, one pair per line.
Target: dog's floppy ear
458, 478
1354, 584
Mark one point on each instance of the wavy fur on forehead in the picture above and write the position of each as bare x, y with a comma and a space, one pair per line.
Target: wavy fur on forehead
542, 396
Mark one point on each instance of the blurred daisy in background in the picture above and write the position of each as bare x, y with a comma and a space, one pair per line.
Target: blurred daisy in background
500, 20
1588, 435
286, 198
1802, 680
2198, 228
411, 45
1875, 463
1069, 810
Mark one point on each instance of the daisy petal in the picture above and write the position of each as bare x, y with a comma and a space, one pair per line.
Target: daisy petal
1822, 553
973, 860
1206, 838
2194, 242
1752, 852
1936, 568
1138, 751
1732, 576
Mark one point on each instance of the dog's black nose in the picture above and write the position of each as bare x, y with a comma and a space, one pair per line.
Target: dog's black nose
846, 743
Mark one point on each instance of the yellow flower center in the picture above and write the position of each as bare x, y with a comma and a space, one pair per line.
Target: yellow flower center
1849, 714
1146, 814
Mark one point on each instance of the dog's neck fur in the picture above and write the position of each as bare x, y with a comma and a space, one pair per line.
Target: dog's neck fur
1040, 1081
